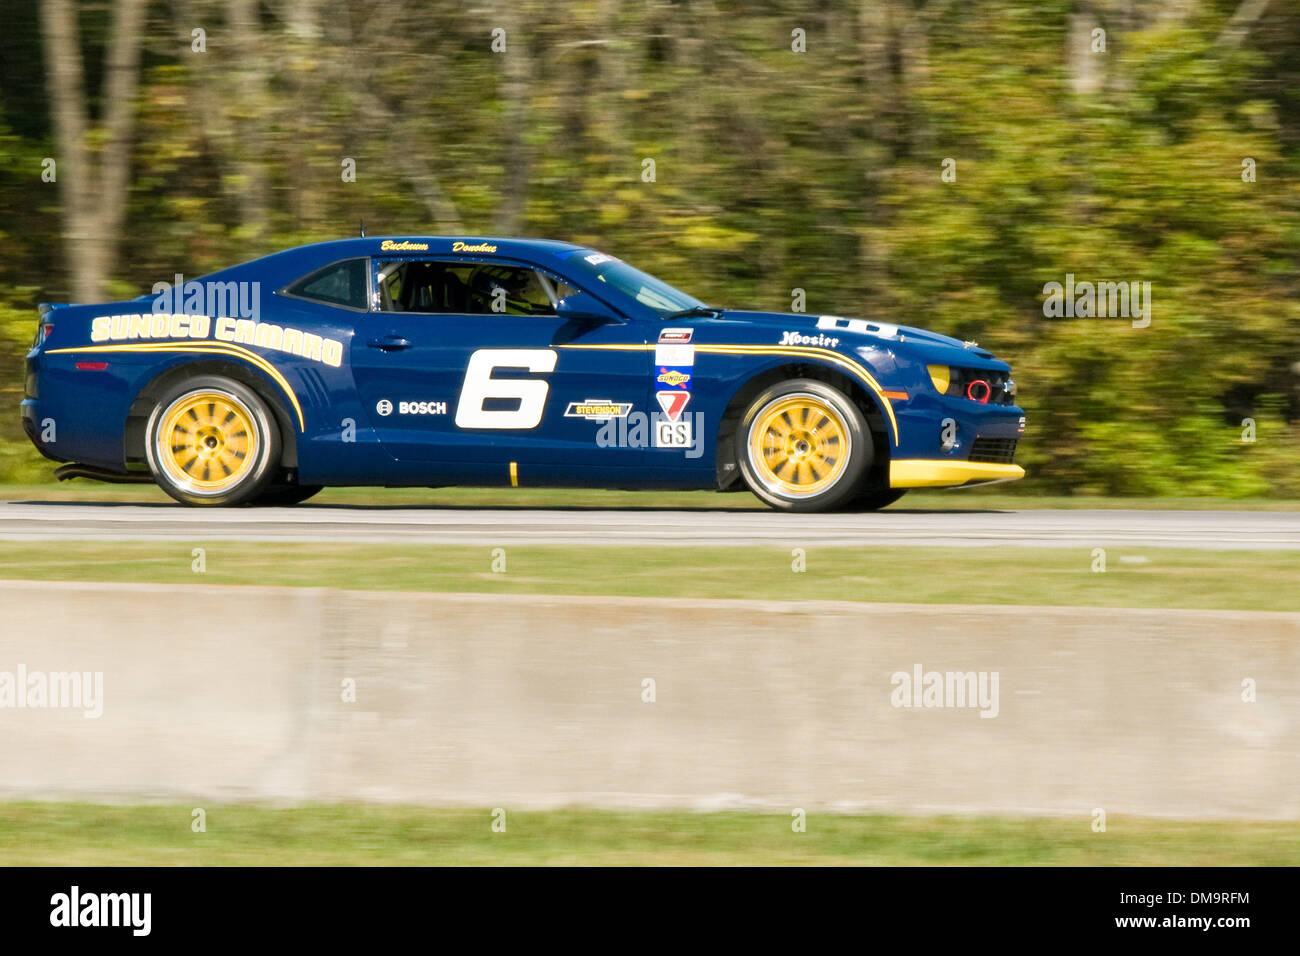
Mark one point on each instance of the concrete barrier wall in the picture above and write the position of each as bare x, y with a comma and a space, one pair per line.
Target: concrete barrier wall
221, 693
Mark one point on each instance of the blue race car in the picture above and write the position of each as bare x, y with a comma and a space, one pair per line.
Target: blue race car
441, 361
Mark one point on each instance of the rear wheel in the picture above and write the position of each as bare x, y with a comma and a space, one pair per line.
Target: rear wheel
212, 441
803, 446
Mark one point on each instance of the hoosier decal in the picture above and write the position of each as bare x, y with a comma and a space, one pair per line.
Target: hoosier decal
798, 338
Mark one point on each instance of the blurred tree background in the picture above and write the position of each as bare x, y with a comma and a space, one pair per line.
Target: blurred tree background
795, 146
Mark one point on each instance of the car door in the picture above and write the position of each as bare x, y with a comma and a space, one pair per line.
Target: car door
455, 367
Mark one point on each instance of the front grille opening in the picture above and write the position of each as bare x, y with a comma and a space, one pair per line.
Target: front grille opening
997, 451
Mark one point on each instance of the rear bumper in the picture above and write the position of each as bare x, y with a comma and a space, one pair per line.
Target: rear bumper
928, 473
32, 428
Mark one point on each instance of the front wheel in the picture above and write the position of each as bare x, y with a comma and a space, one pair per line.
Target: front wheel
212, 441
803, 446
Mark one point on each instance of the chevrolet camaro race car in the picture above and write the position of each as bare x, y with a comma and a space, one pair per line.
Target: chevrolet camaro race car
442, 361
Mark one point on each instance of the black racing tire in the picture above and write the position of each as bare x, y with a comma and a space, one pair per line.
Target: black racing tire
278, 496
212, 441
803, 445
876, 498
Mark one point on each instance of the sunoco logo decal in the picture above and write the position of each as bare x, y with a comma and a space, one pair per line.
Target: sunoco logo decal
674, 378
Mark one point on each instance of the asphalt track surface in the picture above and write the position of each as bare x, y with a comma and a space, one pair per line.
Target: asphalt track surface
1216, 530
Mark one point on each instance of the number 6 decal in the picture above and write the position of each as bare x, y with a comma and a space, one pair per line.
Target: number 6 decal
480, 386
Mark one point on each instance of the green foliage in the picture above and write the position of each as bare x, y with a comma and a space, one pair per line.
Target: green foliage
19, 460
778, 170
84, 834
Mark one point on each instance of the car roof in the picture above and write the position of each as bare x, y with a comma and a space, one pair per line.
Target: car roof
302, 259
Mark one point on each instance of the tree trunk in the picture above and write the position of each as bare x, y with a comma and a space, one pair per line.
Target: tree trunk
518, 80
94, 192
249, 75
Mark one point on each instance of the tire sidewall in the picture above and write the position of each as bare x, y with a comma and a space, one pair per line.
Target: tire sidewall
268, 455
861, 448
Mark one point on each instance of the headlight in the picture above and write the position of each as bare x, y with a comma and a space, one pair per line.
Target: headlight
940, 375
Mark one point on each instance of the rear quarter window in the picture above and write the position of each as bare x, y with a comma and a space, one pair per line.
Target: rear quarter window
340, 283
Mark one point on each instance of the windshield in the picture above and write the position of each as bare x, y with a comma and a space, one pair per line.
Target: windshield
645, 288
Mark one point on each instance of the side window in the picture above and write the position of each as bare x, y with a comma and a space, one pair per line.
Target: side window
466, 288
342, 283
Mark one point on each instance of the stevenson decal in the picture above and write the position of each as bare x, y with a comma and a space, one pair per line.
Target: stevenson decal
597, 410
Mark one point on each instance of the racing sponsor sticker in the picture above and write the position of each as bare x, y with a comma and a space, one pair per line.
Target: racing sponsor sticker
673, 403
679, 355
678, 434
799, 338
598, 409
675, 336
422, 408
674, 377
385, 407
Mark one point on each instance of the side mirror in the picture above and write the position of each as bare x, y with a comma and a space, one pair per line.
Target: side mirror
580, 307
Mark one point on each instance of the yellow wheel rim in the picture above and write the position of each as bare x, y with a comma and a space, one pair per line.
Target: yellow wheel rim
207, 442
798, 445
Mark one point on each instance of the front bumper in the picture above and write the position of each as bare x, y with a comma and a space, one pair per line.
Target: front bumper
949, 442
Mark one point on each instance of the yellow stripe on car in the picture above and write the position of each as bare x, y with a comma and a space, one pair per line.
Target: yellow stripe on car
211, 348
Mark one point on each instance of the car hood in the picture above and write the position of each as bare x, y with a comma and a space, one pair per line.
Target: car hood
856, 334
